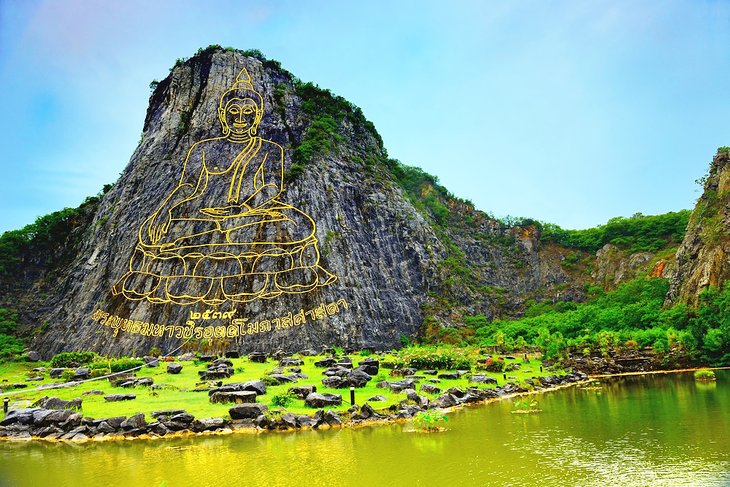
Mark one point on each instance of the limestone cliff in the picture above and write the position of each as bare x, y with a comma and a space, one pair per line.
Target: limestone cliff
410, 259
703, 259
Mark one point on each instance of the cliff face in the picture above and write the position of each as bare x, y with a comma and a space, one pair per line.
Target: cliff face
703, 259
393, 264
408, 258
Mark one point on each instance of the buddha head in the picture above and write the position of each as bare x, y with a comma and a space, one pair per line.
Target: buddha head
240, 109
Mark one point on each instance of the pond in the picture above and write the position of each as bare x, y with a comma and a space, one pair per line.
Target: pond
651, 430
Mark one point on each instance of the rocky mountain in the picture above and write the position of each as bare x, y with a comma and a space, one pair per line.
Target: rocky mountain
301, 234
703, 259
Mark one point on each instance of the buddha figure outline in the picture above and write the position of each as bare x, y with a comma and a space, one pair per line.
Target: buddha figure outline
224, 233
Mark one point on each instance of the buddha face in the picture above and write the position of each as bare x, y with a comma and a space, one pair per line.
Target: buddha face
240, 117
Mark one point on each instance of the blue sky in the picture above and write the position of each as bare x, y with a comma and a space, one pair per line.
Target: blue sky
568, 112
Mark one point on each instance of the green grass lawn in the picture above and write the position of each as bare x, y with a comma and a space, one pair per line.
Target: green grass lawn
178, 391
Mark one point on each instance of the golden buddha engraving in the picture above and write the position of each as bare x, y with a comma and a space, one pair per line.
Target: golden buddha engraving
224, 233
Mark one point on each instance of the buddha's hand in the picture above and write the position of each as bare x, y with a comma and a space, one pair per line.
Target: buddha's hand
227, 211
159, 225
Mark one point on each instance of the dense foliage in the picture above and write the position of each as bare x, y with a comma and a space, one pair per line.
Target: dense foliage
431, 357
10, 345
73, 359
632, 316
638, 233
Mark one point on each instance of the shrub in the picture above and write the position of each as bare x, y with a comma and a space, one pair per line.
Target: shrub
435, 358
10, 346
282, 400
429, 420
704, 375
124, 363
67, 375
73, 359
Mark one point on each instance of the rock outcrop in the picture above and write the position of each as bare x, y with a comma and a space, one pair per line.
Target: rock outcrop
703, 259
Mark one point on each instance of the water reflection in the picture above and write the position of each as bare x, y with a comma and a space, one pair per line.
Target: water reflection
661, 430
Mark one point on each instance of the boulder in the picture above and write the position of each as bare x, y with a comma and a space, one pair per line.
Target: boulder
115, 422
56, 372
316, 400
119, 397
56, 403
33, 356
237, 397
232, 354
19, 416
483, 379
257, 357
446, 401
376, 399
289, 420
93, 392
308, 352
289, 362
456, 392
186, 357
185, 417
302, 391
331, 418
82, 373
430, 389
430, 372
44, 417
167, 413
151, 361
208, 424
326, 362
403, 372
449, 376
282, 379
368, 368
336, 370
367, 412
158, 428
105, 427
357, 378
134, 422
247, 411
174, 368
333, 382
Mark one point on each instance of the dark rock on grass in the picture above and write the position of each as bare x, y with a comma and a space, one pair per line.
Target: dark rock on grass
174, 368
19, 416
430, 389
257, 357
134, 422
403, 372
366, 412
151, 361
158, 428
296, 370
119, 397
446, 401
82, 373
397, 386
333, 382
288, 420
186, 357
449, 376
336, 371
115, 421
345, 365
302, 391
56, 373
281, 378
430, 372
376, 399
222, 361
247, 411
232, 354
237, 397
308, 352
368, 368
257, 386
326, 362
165, 414
290, 362
208, 424
48, 418
105, 427
483, 379
207, 358
357, 378
331, 418
456, 391
93, 392
214, 374
184, 417
33, 356
316, 400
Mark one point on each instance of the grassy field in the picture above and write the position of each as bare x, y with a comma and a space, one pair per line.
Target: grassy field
177, 391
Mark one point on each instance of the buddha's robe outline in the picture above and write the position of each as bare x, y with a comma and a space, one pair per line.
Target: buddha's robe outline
250, 246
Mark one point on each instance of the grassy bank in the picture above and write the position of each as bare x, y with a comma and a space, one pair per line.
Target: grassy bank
186, 391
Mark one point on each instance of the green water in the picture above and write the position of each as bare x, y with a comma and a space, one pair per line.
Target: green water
636, 431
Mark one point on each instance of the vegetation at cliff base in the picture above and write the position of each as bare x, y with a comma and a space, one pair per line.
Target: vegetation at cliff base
631, 317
